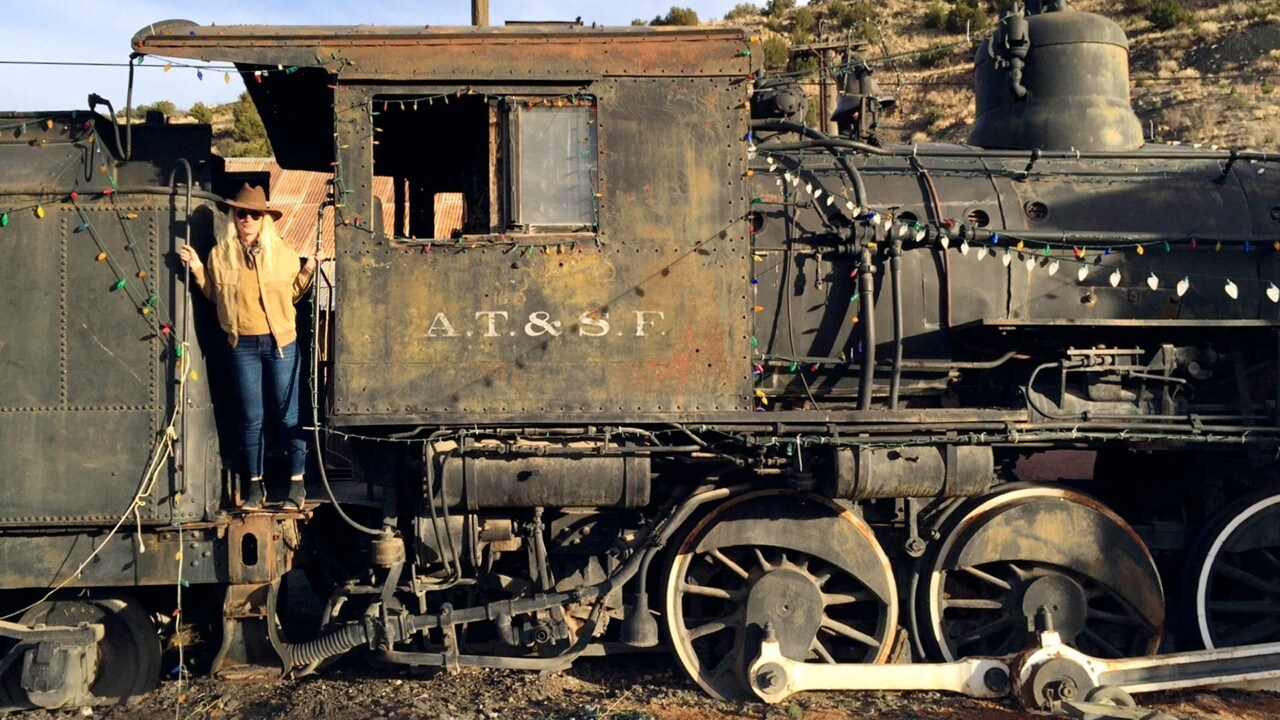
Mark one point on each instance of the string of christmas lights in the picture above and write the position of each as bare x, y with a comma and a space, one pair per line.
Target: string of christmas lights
879, 229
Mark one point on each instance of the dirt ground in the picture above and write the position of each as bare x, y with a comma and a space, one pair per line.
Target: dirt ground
634, 688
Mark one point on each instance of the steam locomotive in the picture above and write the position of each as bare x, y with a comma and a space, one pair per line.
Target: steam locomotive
624, 355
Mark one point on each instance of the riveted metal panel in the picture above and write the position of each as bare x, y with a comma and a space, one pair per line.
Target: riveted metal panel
633, 324
87, 374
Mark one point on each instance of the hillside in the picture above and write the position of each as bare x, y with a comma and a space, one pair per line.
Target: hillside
1203, 72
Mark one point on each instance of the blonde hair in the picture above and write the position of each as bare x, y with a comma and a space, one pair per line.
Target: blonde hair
268, 238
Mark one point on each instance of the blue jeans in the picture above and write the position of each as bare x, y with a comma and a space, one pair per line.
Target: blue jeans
268, 379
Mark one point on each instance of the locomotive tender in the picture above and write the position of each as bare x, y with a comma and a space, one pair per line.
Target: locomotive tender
681, 372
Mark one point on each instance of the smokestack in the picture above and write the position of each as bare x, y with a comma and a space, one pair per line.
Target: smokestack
480, 13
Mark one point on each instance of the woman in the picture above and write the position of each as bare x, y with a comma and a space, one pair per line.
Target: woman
253, 278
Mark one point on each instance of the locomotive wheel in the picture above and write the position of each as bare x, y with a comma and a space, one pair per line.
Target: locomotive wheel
128, 654
812, 569
1008, 554
1236, 581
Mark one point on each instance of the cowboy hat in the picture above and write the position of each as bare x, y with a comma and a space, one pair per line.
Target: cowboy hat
250, 197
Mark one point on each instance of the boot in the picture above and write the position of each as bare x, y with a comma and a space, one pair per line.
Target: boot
254, 496
297, 494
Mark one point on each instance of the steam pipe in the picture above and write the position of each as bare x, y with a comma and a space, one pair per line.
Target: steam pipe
895, 295
967, 151
867, 309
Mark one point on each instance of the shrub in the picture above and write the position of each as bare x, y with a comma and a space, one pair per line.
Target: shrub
201, 113
967, 15
247, 130
777, 8
935, 15
775, 53
860, 15
1169, 14
164, 107
801, 64
742, 10
677, 16
933, 57
803, 22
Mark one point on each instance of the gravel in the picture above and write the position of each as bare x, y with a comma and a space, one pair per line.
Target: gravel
647, 687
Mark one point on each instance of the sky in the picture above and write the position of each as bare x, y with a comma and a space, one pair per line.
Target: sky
80, 31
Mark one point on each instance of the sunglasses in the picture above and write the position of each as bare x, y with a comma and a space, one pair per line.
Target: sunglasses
242, 214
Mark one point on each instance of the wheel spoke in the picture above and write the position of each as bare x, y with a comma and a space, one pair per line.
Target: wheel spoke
764, 564
1270, 558
1245, 578
1103, 615
1244, 607
972, 604
821, 651
987, 578
723, 666
839, 628
1252, 633
714, 626
707, 591
1098, 640
983, 632
846, 598
1018, 571
734, 567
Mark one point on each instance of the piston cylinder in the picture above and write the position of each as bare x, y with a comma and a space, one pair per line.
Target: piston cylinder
475, 483
923, 471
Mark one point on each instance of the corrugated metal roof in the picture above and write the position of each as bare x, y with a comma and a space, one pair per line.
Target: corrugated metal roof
299, 194
449, 211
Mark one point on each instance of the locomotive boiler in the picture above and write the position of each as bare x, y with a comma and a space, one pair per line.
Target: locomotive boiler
617, 353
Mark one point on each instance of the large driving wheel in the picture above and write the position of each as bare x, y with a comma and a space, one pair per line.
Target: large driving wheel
806, 566
1005, 556
1235, 588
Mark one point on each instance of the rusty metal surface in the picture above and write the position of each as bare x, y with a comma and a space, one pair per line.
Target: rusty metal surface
491, 334
493, 53
246, 652
209, 552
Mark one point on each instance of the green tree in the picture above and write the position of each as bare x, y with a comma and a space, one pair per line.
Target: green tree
1169, 14
677, 16
201, 113
967, 15
803, 22
935, 15
860, 15
164, 107
248, 134
778, 8
742, 10
775, 53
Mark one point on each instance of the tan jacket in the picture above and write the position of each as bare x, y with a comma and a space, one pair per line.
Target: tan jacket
219, 280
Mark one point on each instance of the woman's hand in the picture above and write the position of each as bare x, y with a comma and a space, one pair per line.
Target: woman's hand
310, 264
187, 254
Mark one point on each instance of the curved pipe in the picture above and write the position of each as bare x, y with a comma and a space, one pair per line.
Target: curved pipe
859, 189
